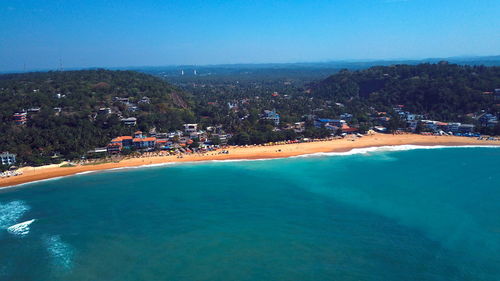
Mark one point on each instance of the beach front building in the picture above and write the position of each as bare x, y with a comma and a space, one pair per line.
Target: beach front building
453, 127
272, 115
348, 130
138, 141
114, 148
412, 125
430, 125
466, 128
20, 118
117, 144
141, 143
190, 128
331, 124
125, 141
298, 127
488, 120
7, 159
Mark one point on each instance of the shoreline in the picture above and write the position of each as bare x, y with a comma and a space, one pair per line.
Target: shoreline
37, 174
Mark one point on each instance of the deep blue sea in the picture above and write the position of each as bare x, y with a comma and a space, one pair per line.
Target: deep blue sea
424, 214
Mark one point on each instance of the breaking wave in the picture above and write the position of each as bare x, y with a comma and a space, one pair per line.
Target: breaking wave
386, 148
21, 229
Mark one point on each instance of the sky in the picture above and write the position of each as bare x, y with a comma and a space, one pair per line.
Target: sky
38, 34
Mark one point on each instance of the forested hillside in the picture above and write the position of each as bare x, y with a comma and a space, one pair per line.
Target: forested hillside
63, 110
441, 91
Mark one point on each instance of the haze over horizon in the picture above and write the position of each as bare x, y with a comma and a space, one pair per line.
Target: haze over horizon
39, 35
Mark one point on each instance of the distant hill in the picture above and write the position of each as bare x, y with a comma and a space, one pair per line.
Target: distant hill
71, 112
84, 89
443, 91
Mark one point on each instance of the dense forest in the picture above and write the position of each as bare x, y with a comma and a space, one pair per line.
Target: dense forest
439, 91
63, 110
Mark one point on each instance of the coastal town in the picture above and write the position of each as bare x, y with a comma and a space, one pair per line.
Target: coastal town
113, 116
192, 138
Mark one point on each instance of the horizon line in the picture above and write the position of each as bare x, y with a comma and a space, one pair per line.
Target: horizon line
330, 61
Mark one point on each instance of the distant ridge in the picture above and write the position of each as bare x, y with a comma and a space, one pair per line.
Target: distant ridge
352, 64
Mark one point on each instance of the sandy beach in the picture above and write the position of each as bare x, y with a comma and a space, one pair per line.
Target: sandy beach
251, 152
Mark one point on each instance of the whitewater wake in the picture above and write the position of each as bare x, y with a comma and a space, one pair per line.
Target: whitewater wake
21, 229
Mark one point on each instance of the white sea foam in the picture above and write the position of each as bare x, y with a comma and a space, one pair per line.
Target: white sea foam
84, 173
11, 212
353, 151
22, 228
59, 251
147, 166
49, 179
387, 148
32, 182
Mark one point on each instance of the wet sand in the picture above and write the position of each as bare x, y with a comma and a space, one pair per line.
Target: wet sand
31, 174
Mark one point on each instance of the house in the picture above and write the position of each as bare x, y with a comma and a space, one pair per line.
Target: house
34, 109
429, 124
453, 127
114, 148
272, 116
346, 116
124, 141
138, 134
412, 125
132, 107
145, 100
346, 129
410, 117
232, 106
466, 128
104, 110
488, 120
328, 123
163, 143
442, 125
190, 128
299, 127
20, 118
131, 121
7, 159
119, 99
223, 138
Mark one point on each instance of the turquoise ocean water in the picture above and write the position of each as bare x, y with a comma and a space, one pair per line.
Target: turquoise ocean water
426, 214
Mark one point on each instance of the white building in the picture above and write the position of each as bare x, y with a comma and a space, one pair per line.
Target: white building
131, 121
190, 128
7, 159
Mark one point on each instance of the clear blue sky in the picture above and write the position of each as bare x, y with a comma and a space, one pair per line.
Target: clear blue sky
87, 33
